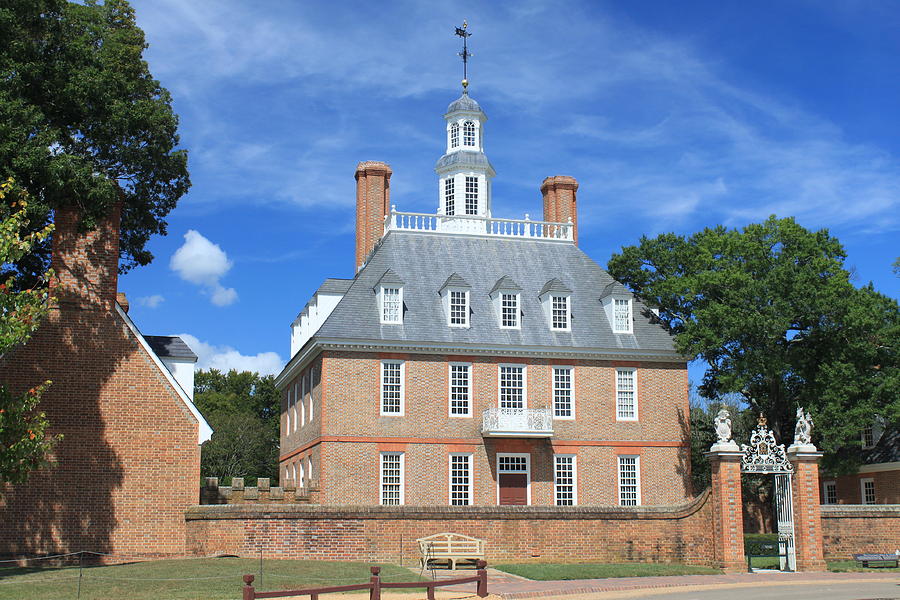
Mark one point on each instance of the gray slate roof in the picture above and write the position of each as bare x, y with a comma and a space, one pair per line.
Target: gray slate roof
389, 278
505, 283
471, 159
170, 346
426, 261
464, 103
887, 449
334, 286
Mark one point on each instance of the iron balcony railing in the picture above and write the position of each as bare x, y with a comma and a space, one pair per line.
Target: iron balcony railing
517, 422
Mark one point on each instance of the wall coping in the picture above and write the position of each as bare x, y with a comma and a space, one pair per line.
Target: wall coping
208, 512
833, 511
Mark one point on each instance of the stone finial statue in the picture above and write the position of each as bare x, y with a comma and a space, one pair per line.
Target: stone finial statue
803, 430
723, 426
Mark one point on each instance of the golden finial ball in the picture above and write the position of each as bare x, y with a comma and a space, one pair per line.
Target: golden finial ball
465, 83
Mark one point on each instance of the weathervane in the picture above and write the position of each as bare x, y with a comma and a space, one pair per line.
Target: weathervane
465, 54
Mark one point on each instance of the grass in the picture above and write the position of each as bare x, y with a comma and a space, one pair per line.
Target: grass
590, 570
187, 579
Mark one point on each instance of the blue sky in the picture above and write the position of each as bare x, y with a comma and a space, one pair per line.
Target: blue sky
672, 116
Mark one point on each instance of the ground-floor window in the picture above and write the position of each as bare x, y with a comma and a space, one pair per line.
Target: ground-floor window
460, 479
391, 478
867, 488
564, 479
629, 481
829, 492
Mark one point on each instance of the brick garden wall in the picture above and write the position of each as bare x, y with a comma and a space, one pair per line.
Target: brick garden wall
387, 533
849, 529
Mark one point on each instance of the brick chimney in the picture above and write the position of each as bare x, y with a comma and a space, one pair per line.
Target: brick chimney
86, 263
559, 201
373, 203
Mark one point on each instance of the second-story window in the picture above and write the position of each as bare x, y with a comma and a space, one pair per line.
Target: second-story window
471, 195
626, 402
391, 305
562, 393
460, 390
459, 308
391, 387
449, 197
512, 386
454, 135
559, 312
509, 311
469, 133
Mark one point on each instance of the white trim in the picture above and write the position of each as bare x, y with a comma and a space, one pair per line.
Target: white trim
450, 366
571, 370
630, 317
471, 474
499, 306
637, 472
574, 458
204, 431
862, 490
633, 371
568, 299
879, 467
527, 475
381, 456
402, 387
381, 319
825, 486
448, 293
524, 368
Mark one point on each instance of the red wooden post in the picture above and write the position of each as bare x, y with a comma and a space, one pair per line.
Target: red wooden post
430, 590
481, 589
375, 592
249, 592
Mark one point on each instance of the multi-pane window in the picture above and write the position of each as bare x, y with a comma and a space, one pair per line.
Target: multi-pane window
290, 408
559, 315
829, 492
449, 196
460, 479
471, 195
512, 464
391, 478
454, 135
459, 308
460, 390
297, 400
626, 404
469, 133
391, 387
868, 491
564, 479
509, 310
622, 315
562, 393
512, 387
391, 305
303, 402
628, 481
868, 436
313, 381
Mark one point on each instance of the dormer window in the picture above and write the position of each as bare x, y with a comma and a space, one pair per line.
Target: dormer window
559, 318
390, 299
455, 296
469, 133
506, 296
449, 196
622, 315
454, 135
618, 303
556, 299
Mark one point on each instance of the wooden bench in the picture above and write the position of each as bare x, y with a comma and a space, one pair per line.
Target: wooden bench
450, 547
886, 560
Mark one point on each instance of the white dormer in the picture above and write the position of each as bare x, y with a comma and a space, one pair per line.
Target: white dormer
556, 302
506, 296
455, 297
389, 291
316, 311
618, 303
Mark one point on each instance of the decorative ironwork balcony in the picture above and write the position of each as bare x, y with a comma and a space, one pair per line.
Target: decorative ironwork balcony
517, 422
473, 225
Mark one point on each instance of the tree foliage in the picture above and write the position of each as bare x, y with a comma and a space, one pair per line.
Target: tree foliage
771, 309
83, 122
23, 440
243, 409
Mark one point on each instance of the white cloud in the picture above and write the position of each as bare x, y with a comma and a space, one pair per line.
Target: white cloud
204, 263
225, 358
151, 301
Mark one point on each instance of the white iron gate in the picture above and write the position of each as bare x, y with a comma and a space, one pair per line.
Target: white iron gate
784, 510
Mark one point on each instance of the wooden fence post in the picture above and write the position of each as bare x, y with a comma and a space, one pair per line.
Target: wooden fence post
481, 590
249, 592
375, 592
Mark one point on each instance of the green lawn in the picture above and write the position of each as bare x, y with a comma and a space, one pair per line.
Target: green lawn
188, 579
587, 570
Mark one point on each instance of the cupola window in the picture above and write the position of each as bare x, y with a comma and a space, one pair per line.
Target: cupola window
471, 195
454, 135
449, 196
469, 133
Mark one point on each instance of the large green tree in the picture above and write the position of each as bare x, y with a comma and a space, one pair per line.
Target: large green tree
84, 123
243, 408
771, 309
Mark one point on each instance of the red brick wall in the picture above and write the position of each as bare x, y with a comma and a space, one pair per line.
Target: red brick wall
849, 530
384, 533
849, 490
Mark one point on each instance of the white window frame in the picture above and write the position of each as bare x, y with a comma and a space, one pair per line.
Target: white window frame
450, 293
402, 388
470, 491
309, 413
467, 131
637, 476
309, 468
518, 309
571, 371
450, 413
381, 483
381, 305
629, 319
634, 379
302, 478
524, 368
862, 490
303, 384
527, 472
826, 486
454, 133
287, 413
568, 314
467, 195
556, 490
868, 432
449, 195
297, 400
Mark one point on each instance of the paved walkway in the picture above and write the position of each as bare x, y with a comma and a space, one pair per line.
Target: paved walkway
511, 587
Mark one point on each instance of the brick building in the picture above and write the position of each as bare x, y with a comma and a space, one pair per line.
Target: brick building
128, 464
480, 361
877, 480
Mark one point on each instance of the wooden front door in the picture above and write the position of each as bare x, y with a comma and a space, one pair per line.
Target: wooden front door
513, 489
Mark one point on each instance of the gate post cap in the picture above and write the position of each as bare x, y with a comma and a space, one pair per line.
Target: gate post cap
248, 579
